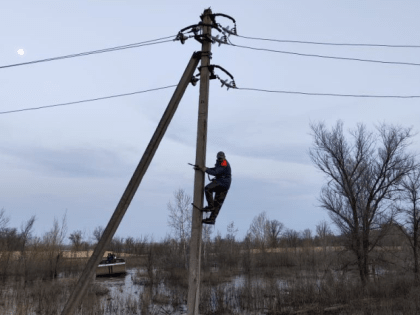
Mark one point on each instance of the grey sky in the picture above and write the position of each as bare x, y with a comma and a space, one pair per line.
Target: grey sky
81, 157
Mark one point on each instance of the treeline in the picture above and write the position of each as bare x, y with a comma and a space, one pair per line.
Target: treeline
24, 254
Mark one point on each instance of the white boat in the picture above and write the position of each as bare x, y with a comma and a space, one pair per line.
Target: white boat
111, 266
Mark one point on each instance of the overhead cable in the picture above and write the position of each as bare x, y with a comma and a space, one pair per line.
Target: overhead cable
329, 43
330, 94
236, 88
87, 100
134, 45
327, 57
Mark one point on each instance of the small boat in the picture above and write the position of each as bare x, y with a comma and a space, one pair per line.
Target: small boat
111, 266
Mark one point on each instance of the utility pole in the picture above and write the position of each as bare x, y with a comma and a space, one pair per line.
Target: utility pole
200, 159
89, 272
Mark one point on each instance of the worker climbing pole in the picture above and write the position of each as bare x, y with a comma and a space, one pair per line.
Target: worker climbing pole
219, 185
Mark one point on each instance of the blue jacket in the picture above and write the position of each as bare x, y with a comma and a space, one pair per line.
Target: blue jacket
223, 173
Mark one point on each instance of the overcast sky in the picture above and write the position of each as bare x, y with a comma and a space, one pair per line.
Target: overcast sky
79, 158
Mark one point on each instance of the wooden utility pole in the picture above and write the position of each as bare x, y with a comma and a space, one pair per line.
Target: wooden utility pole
200, 159
90, 268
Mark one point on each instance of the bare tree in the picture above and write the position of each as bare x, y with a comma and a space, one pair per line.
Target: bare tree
129, 245
323, 232
292, 238
258, 229
76, 239
53, 242
4, 221
97, 233
55, 237
26, 232
231, 234
265, 232
307, 237
180, 214
207, 231
231, 231
4, 230
410, 208
363, 180
218, 239
117, 244
141, 245
273, 230
8, 241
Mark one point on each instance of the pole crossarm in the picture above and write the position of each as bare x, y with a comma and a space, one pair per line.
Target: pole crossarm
89, 272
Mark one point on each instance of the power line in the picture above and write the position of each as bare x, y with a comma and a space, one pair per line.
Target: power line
330, 94
327, 57
329, 43
87, 100
244, 89
134, 45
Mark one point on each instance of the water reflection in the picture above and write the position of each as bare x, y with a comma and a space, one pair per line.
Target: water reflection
122, 284
162, 298
128, 286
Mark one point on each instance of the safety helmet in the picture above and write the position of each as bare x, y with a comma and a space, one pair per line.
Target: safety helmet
221, 155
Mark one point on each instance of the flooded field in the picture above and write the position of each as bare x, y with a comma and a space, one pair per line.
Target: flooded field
127, 294
134, 291
286, 290
134, 294
233, 281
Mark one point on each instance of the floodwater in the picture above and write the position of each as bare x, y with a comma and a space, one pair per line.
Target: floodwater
127, 292
126, 287
122, 284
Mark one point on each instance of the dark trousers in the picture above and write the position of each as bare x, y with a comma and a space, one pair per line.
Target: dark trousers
220, 196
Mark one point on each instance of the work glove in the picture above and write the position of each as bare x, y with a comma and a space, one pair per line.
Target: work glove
198, 168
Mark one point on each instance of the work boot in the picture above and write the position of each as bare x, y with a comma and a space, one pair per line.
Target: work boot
209, 221
208, 209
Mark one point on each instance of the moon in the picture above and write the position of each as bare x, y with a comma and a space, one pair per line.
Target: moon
21, 51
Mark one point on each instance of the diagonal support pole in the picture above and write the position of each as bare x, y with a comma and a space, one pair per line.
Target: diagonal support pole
88, 273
